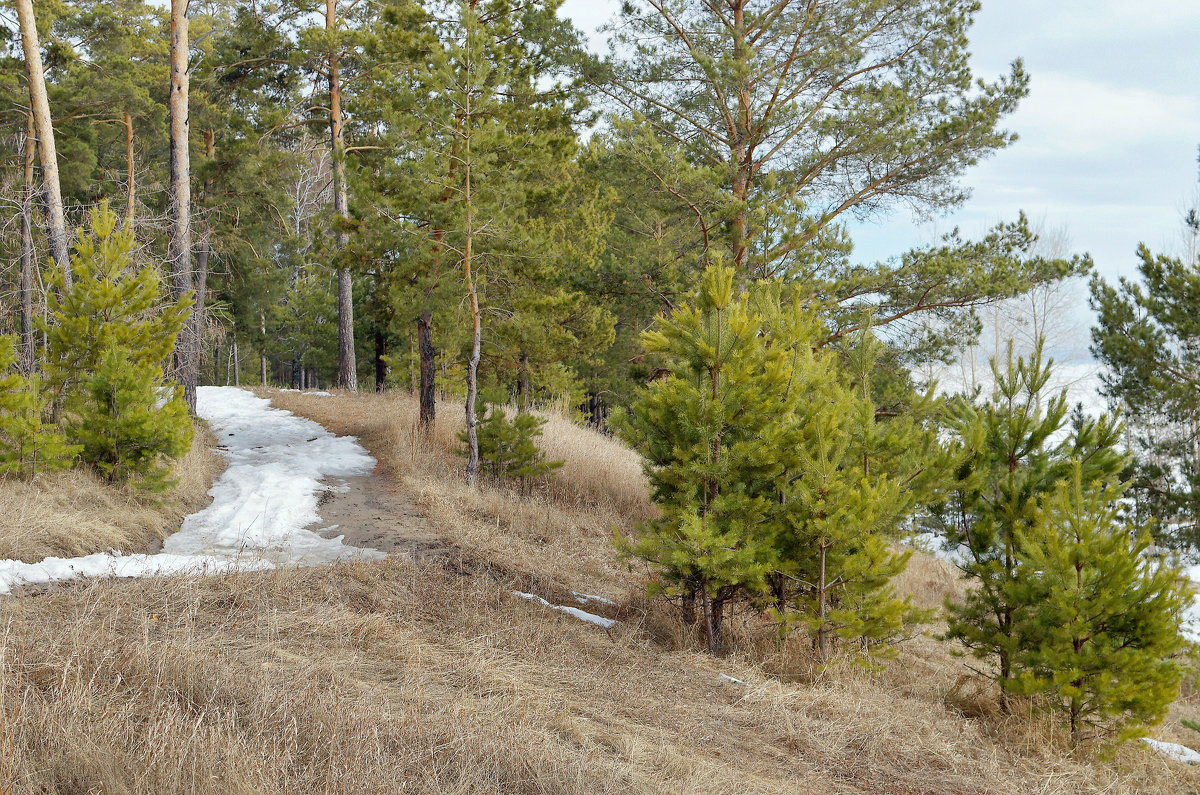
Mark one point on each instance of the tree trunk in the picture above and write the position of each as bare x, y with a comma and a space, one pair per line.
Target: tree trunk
237, 364
740, 155
40, 106
187, 358
472, 470
526, 398
262, 356
381, 368
197, 319
689, 606
130, 181
297, 375
714, 621
428, 370
822, 611
28, 256
347, 373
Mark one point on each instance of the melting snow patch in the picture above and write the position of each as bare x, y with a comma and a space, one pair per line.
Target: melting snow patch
584, 598
1180, 753
261, 504
582, 615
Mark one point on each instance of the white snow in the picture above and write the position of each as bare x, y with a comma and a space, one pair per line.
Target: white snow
584, 598
261, 504
582, 615
1180, 753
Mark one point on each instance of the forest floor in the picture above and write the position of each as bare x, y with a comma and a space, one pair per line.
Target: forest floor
425, 672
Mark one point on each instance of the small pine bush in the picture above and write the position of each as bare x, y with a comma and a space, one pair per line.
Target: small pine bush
28, 444
508, 449
113, 330
125, 429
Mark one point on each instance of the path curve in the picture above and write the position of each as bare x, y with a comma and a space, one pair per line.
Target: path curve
263, 504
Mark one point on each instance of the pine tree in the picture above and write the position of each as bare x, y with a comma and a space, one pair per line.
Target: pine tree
701, 432
1105, 620
113, 330
125, 429
508, 449
1016, 449
1148, 337
28, 444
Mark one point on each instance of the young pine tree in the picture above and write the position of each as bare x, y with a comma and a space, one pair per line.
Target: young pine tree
28, 444
1105, 619
508, 449
1016, 449
847, 482
113, 330
702, 430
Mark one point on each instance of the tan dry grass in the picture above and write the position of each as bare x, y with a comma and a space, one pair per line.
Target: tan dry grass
74, 513
392, 677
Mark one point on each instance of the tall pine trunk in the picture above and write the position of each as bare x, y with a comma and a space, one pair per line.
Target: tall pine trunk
130, 180
204, 252
56, 224
187, 358
347, 372
428, 370
28, 257
472, 470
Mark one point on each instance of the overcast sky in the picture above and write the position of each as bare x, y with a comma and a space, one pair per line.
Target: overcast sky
1109, 133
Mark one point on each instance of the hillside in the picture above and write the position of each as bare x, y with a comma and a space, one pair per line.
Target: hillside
424, 673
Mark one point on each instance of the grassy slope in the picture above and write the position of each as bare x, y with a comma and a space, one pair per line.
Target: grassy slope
73, 513
432, 678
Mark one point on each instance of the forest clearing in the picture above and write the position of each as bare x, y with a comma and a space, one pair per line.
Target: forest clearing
577, 396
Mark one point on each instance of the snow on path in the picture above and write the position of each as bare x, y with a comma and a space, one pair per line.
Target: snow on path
261, 505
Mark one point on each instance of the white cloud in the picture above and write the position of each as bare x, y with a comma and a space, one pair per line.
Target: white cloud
1073, 116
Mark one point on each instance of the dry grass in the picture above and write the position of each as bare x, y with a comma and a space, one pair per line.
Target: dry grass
399, 677
74, 513
396, 678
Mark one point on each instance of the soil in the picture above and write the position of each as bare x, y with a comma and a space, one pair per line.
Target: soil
372, 512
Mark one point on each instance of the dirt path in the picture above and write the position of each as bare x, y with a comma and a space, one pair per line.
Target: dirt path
372, 512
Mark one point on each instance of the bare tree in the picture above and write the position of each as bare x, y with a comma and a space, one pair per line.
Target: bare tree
40, 109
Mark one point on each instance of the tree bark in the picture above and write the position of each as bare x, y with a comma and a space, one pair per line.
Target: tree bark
130, 182
40, 105
28, 257
187, 358
381, 368
262, 356
202, 255
428, 370
472, 470
526, 398
347, 374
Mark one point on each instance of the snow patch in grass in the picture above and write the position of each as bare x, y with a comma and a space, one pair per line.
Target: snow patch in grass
1180, 753
582, 615
262, 504
585, 598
